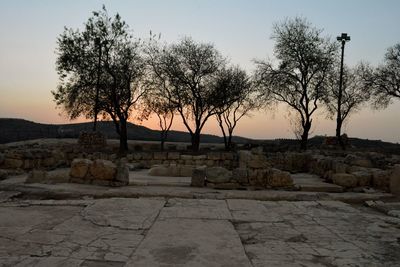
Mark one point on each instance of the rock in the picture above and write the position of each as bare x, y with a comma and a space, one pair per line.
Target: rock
214, 155
186, 157
36, 176
218, 175
102, 169
198, 177
240, 175
186, 170
257, 150
11, 163
340, 167
278, 178
395, 180
57, 176
159, 170
160, 155
173, 155
364, 178
257, 162
200, 157
381, 179
358, 161
122, 177
3, 174
1, 158
345, 180
244, 157
80, 168
134, 166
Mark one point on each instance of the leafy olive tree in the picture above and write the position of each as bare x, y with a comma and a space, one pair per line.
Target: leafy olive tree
299, 78
101, 70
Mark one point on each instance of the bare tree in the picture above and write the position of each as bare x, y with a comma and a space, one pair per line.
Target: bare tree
107, 82
299, 78
186, 71
235, 86
385, 79
354, 94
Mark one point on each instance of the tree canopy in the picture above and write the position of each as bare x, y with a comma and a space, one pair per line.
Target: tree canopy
101, 70
299, 77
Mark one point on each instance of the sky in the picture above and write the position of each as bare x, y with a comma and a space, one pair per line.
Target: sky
239, 29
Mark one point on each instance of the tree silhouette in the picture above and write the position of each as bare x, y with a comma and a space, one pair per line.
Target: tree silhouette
299, 78
234, 85
355, 93
186, 71
101, 71
385, 79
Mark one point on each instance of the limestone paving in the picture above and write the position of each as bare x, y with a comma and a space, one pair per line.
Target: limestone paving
195, 232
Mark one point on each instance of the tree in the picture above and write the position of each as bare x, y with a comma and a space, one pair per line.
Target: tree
385, 79
186, 71
234, 85
304, 59
354, 94
101, 71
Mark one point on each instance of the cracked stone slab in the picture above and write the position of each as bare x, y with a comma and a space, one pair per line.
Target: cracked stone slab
190, 242
133, 214
251, 210
196, 209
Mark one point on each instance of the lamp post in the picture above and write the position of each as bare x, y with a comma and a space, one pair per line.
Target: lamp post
343, 38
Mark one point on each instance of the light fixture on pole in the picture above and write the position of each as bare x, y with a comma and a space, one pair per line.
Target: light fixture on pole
343, 38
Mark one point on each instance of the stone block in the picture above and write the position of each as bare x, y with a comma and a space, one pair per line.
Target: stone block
36, 176
186, 157
200, 157
160, 155
103, 170
173, 155
198, 177
122, 176
240, 175
278, 178
186, 170
364, 178
395, 180
227, 156
244, 157
3, 174
381, 179
80, 168
210, 163
11, 163
218, 175
214, 155
257, 162
345, 179
159, 170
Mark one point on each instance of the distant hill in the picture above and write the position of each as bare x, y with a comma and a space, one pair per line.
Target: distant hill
12, 130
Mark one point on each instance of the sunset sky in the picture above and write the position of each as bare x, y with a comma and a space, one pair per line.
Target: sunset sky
240, 30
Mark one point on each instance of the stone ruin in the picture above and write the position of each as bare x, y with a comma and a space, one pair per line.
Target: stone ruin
255, 168
92, 140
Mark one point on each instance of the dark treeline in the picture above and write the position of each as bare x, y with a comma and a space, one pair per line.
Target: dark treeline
105, 71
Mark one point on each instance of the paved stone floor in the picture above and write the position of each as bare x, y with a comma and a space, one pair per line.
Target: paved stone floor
195, 232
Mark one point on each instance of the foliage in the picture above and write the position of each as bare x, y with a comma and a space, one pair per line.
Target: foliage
186, 71
299, 78
385, 79
235, 86
101, 70
355, 92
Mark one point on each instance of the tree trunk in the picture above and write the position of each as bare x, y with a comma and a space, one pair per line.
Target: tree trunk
163, 138
339, 132
304, 136
123, 137
229, 142
196, 141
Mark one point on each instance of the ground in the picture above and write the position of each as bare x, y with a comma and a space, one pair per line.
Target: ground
195, 232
